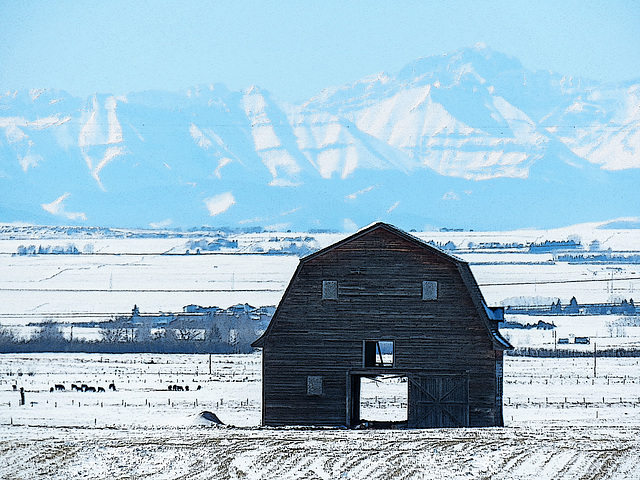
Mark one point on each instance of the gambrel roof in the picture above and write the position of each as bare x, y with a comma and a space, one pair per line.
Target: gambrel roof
489, 316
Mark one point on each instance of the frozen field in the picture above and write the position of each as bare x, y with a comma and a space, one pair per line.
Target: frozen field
155, 274
561, 422
95, 287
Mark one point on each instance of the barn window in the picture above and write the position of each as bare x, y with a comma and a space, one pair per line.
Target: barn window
314, 385
429, 290
378, 353
329, 290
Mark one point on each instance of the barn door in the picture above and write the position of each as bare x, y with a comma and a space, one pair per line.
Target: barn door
438, 401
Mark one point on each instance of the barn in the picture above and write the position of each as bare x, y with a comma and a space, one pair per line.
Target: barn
379, 303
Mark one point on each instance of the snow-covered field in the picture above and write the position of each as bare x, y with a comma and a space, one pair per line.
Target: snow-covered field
122, 272
94, 287
561, 422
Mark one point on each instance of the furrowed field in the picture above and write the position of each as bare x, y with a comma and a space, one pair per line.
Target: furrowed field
561, 421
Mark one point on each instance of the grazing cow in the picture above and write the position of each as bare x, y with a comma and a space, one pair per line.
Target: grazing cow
199, 387
178, 388
91, 389
84, 387
100, 389
59, 387
51, 389
112, 386
170, 388
186, 387
75, 387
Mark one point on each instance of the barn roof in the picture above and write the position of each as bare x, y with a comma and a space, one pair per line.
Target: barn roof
486, 314
375, 226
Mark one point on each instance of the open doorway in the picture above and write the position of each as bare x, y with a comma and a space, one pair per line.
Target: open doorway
380, 400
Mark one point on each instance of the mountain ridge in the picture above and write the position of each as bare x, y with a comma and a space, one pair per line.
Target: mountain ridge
428, 145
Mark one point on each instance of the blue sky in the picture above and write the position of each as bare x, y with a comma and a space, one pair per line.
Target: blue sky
294, 49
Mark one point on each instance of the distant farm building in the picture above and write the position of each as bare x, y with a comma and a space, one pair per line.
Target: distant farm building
383, 303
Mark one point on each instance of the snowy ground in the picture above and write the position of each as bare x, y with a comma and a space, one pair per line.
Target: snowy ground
122, 272
562, 422
601, 330
539, 453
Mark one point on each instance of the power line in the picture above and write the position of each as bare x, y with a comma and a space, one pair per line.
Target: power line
136, 290
282, 123
553, 282
34, 315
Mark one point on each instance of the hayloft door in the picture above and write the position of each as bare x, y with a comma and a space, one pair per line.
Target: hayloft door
438, 401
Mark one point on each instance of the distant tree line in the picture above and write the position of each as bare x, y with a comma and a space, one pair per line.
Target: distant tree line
214, 332
69, 249
569, 352
624, 307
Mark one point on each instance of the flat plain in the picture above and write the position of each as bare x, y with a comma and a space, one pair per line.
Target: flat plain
564, 417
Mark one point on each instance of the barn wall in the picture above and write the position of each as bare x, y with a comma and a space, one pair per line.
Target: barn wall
379, 298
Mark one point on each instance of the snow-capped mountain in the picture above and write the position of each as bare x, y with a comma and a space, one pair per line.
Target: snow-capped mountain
470, 139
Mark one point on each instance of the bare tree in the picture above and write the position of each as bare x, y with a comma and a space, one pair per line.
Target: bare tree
113, 334
185, 334
49, 335
7, 338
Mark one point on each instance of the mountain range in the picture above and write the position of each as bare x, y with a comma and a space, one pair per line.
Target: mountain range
470, 139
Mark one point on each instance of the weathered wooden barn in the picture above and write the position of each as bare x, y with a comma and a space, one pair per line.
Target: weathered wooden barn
382, 302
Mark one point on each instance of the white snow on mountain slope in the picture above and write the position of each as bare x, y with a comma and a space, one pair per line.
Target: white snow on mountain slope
474, 114
207, 139
38, 124
281, 164
219, 203
413, 122
612, 141
199, 137
93, 134
57, 207
336, 146
21, 142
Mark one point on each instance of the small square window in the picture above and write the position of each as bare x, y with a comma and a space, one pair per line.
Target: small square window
378, 353
329, 290
314, 385
429, 290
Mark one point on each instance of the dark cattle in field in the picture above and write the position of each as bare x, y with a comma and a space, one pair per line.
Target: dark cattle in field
51, 389
90, 389
100, 389
75, 387
59, 387
199, 387
186, 387
84, 387
178, 388
170, 388
112, 386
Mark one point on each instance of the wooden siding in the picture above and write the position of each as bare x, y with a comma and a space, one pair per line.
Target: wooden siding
380, 277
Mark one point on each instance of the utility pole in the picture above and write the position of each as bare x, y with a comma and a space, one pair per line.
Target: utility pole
594, 359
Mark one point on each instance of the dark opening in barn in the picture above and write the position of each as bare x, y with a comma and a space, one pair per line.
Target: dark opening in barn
379, 304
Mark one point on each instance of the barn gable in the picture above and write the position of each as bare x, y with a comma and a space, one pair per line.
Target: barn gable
488, 317
382, 288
